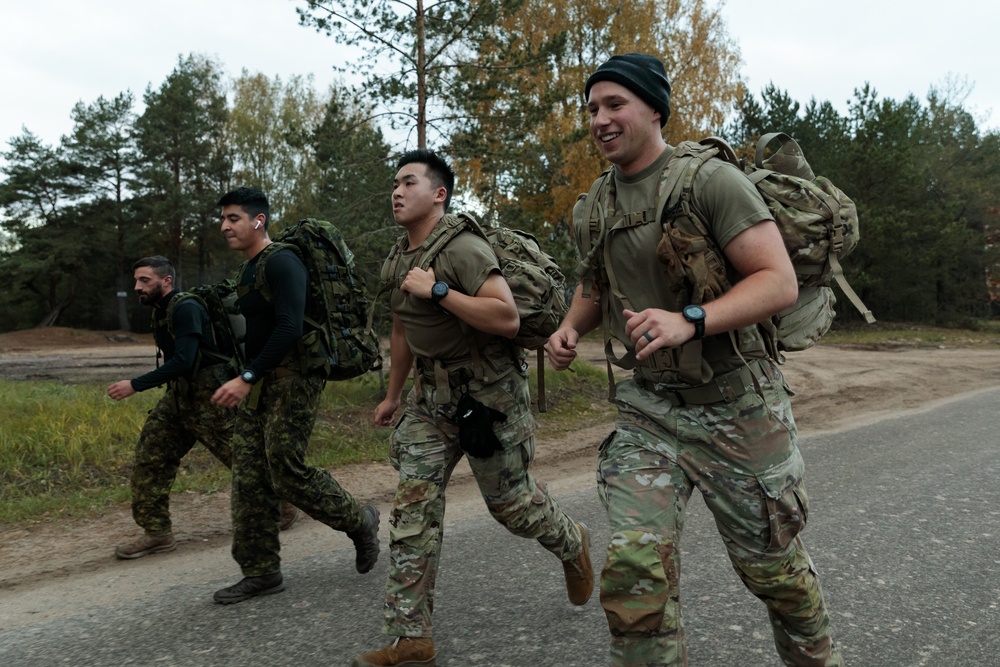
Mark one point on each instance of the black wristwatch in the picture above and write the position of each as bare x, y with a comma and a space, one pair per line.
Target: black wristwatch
438, 291
696, 316
249, 376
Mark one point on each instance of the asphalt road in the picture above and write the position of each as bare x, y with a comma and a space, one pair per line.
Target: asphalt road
904, 529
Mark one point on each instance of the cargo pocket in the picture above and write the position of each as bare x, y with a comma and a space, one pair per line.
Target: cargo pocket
786, 501
516, 432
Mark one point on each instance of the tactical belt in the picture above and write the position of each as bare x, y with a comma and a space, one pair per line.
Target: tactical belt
456, 378
433, 373
182, 384
727, 387
281, 372
253, 398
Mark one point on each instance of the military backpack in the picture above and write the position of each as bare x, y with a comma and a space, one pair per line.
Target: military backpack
335, 342
817, 221
534, 278
228, 325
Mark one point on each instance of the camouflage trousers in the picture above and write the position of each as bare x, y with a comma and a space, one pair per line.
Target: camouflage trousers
743, 458
424, 450
269, 448
182, 417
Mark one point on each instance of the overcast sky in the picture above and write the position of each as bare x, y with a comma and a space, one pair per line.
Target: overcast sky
54, 53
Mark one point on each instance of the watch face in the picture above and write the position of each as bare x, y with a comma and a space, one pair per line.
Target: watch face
439, 290
248, 376
694, 312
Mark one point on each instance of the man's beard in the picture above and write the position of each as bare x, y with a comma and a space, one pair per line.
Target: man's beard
151, 298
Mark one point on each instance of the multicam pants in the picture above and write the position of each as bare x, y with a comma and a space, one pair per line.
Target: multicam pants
743, 459
183, 416
424, 449
269, 447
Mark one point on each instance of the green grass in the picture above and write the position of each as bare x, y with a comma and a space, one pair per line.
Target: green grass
66, 450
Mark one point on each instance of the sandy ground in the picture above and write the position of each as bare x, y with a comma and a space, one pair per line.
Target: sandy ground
836, 387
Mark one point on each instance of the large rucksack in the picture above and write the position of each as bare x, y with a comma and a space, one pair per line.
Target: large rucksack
817, 221
335, 342
534, 278
228, 324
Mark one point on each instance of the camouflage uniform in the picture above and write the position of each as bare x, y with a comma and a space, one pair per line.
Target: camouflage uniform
743, 458
183, 416
731, 435
269, 446
273, 425
425, 450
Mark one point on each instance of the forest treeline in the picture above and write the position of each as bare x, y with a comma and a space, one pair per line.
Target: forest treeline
495, 85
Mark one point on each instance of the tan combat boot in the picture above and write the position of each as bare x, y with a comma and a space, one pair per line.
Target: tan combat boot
402, 652
145, 545
579, 572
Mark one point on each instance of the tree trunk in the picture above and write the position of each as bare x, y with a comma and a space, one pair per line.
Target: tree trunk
421, 79
50, 319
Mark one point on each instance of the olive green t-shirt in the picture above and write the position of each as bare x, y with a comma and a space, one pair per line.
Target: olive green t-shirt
725, 201
432, 333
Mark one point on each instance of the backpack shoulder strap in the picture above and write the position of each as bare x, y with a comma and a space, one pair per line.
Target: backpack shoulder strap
703, 278
260, 280
387, 277
387, 274
259, 283
677, 183
595, 213
438, 239
449, 227
175, 300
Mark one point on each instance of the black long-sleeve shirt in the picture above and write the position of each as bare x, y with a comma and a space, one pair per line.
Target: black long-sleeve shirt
274, 326
192, 330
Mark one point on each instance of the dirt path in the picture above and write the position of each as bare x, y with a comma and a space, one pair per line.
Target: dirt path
836, 388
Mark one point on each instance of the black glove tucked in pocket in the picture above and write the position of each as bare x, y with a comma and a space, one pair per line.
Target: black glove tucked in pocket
475, 427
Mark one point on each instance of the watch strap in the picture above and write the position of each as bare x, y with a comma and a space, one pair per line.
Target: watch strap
698, 322
435, 296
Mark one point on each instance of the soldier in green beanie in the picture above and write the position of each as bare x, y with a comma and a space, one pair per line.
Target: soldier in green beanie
706, 407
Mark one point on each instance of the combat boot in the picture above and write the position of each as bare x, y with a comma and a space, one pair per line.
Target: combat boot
579, 572
366, 540
145, 545
289, 515
250, 587
403, 652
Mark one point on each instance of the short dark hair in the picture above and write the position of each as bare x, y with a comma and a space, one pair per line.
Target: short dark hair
253, 201
438, 169
161, 266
